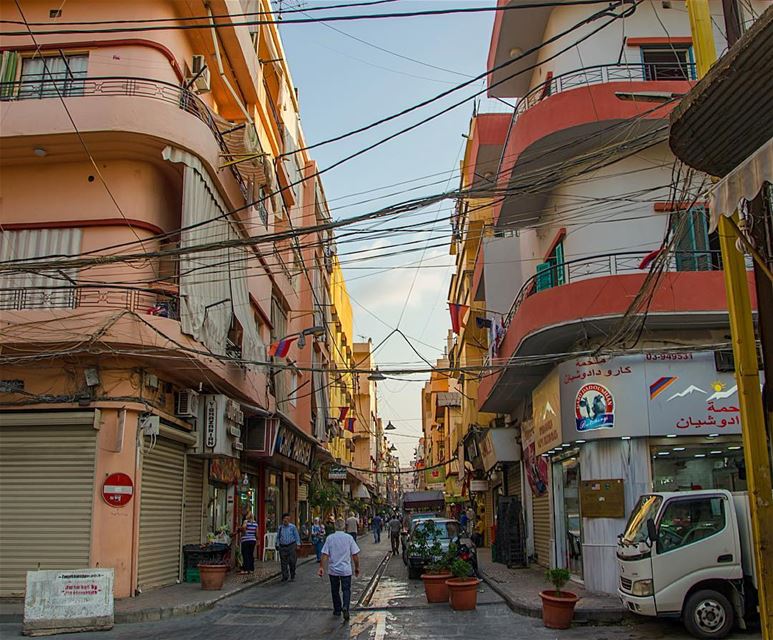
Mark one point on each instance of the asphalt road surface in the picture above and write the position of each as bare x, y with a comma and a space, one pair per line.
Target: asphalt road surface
388, 607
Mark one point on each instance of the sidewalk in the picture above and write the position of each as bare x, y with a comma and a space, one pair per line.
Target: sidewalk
520, 588
182, 599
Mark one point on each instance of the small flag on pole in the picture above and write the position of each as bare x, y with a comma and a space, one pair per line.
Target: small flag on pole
457, 315
344, 411
281, 348
483, 323
350, 424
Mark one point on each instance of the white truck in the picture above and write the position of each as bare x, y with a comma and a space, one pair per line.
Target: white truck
689, 555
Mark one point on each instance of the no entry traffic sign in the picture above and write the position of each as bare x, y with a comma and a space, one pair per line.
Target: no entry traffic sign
118, 489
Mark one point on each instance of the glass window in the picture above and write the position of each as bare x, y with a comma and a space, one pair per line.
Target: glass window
551, 272
692, 248
445, 530
218, 515
690, 520
636, 529
684, 466
667, 62
53, 76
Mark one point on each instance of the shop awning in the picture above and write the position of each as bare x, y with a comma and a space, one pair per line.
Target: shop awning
360, 491
742, 183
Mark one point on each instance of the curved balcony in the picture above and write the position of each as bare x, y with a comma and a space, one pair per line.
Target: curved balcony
587, 297
125, 87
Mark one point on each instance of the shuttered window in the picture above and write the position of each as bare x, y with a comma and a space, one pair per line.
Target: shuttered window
46, 493
541, 520
161, 512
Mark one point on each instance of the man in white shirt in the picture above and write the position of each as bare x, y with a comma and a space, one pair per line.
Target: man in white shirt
352, 525
338, 553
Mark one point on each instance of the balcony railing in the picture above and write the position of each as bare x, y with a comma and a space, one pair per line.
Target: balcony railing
180, 97
141, 301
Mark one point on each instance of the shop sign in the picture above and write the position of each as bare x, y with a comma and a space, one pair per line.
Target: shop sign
62, 601
536, 465
546, 414
293, 446
224, 470
478, 486
210, 423
336, 473
117, 489
499, 445
436, 476
594, 408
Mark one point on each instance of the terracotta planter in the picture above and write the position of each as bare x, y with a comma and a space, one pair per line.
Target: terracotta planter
435, 587
558, 610
463, 593
306, 549
212, 576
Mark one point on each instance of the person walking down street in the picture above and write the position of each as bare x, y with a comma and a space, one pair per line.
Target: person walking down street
317, 538
249, 540
338, 554
395, 527
470, 519
351, 526
330, 527
377, 525
463, 521
288, 539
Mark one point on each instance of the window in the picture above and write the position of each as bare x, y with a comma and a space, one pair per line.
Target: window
691, 520
53, 76
692, 239
551, 272
667, 62
684, 465
293, 388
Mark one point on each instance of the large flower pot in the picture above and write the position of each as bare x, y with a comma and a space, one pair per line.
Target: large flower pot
558, 609
463, 593
305, 549
212, 576
435, 587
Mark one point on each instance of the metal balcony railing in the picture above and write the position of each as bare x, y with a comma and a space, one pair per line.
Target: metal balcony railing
31, 88
141, 301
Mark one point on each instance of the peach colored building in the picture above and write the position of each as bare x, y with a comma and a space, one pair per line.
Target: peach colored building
146, 175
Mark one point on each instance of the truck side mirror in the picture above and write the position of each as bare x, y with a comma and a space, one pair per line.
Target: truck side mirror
652, 531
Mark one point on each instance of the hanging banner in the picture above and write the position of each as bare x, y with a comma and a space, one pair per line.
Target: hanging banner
546, 413
536, 466
224, 470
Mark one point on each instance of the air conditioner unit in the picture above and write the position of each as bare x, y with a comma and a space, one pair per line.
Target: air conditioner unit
200, 71
187, 404
219, 426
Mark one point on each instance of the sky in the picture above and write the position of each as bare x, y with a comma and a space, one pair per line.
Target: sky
343, 84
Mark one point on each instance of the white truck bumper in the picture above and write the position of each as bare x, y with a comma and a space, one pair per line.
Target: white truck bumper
643, 605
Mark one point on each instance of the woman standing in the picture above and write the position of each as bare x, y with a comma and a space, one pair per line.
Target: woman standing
249, 540
317, 538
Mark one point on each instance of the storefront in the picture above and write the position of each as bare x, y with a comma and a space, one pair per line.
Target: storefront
224, 480
614, 428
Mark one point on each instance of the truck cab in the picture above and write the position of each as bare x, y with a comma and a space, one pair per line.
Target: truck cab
688, 555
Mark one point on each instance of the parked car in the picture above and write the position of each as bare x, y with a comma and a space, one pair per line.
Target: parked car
448, 531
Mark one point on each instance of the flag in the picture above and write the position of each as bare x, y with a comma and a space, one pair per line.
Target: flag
350, 424
648, 259
343, 413
457, 315
280, 348
483, 323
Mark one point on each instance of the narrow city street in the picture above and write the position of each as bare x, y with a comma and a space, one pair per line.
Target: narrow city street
385, 606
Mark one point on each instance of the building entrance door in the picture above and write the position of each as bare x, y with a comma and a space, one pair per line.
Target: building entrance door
566, 476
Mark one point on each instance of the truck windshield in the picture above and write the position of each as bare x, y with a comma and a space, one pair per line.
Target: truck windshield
636, 529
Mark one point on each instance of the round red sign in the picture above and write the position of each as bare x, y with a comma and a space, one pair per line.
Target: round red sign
117, 490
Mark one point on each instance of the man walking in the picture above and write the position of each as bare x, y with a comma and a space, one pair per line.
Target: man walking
377, 524
395, 527
338, 554
351, 525
288, 539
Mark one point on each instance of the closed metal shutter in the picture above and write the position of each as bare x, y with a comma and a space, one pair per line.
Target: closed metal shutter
541, 518
514, 479
46, 493
161, 512
194, 496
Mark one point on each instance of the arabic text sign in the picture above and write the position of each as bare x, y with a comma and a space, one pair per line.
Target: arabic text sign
81, 599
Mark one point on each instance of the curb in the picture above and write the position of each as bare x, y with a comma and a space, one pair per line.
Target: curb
164, 613
591, 617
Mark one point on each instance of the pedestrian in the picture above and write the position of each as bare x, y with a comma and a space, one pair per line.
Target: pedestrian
249, 540
317, 538
330, 527
470, 519
477, 536
338, 554
377, 524
288, 539
395, 527
351, 525
463, 521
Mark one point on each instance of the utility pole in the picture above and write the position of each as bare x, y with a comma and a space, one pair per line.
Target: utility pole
758, 475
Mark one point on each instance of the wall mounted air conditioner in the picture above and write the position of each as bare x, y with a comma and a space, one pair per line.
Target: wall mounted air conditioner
200, 71
187, 404
219, 426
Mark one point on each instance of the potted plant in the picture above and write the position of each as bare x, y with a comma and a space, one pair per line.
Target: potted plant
558, 605
463, 587
438, 569
212, 575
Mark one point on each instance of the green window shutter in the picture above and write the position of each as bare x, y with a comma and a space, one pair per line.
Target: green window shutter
692, 243
544, 278
558, 252
9, 63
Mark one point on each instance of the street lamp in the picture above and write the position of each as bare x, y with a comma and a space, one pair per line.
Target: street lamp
393, 448
390, 426
376, 376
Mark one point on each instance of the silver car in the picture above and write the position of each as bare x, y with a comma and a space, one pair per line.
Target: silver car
448, 531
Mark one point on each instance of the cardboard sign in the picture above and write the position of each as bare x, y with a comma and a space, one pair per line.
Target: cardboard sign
68, 601
602, 498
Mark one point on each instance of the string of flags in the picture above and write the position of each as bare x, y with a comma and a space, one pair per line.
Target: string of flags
281, 348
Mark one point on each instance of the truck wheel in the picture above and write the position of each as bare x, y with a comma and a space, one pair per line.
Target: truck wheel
708, 614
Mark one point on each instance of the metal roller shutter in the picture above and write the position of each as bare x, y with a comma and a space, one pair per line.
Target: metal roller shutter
161, 512
541, 520
194, 496
514, 479
46, 493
